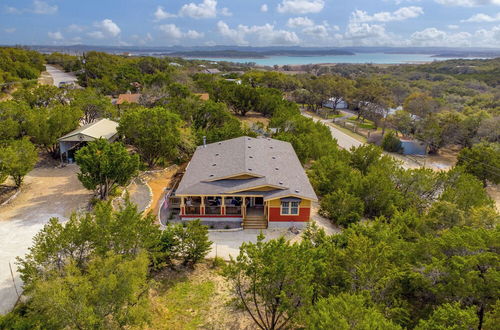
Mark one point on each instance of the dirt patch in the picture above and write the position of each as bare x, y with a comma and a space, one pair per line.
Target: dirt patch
45, 79
252, 117
494, 192
158, 181
6, 192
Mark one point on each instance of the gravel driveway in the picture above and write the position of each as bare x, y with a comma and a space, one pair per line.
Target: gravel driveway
47, 192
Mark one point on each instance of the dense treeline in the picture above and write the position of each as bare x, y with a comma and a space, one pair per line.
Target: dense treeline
18, 65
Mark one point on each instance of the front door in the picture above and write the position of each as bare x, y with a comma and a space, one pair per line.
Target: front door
258, 201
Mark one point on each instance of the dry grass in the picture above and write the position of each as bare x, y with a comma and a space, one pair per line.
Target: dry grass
253, 118
45, 79
158, 181
194, 299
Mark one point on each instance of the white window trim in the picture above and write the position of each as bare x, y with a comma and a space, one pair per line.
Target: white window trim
289, 208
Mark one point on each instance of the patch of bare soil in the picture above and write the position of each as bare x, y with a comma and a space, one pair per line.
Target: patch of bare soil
252, 117
6, 192
494, 192
45, 79
158, 181
48, 190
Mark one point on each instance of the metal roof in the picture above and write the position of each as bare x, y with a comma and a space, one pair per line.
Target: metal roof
267, 163
103, 128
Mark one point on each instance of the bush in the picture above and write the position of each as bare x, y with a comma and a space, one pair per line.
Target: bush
187, 242
391, 143
342, 207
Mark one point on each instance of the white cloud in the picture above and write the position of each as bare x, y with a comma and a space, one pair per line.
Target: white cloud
468, 3
12, 10
299, 22
192, 34
55, 35
488, 37
482, 18
96, 35
260, 34
108, 27
399, 15
161, 14
317, 31
171, 31
206, 9
264, 8
301, 6
453, 27
435, 37
364, 30
75, 28
43, 8
226, 12
9, 30
236, 36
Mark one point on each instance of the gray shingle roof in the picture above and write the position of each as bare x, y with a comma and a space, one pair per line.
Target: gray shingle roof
271, 162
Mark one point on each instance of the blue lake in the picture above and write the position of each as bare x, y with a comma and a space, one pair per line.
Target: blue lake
375, 58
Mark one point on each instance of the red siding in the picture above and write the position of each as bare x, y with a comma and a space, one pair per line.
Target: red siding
304, 215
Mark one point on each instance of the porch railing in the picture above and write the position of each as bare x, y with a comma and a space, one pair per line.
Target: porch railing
233, 210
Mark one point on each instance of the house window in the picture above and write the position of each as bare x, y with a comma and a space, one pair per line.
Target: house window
290, 208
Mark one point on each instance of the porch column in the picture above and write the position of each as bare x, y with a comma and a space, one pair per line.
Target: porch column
202, 205
244, 207
183, 206
223, 206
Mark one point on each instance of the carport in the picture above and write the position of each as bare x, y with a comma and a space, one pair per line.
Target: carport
69, 143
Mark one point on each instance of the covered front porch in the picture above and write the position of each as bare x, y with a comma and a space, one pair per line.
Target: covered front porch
221, 206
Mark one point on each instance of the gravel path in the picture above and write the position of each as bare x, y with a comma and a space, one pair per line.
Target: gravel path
46, 193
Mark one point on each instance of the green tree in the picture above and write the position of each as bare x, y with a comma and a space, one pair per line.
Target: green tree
450, 317
46, 125
104, 166
110, 293
92, 104
272, 280
342, 207
483, 161
420, 104
347, 312
17, 159
154, 132
125, 231
391, 143
364, 156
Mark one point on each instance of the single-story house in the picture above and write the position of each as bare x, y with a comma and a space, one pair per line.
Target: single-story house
331, 101
129, 98
249, 182
102, 128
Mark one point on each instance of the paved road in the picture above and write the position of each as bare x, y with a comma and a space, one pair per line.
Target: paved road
344, 140
59, 75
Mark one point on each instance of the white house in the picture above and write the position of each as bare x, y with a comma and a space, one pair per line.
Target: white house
341, 104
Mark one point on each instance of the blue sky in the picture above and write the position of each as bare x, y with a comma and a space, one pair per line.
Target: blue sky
252, 22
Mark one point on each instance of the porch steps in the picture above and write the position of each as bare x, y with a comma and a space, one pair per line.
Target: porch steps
254, 222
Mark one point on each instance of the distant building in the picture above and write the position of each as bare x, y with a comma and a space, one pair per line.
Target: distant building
71, 142
331, 101
129, 98
211, 71
236, 81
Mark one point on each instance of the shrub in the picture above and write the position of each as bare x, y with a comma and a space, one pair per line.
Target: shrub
342, 207
391, 143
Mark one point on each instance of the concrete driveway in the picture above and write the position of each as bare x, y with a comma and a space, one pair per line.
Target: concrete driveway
46, 193
59, 76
